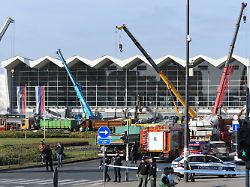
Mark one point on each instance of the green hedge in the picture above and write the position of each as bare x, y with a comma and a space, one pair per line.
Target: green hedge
49, 134
18, 154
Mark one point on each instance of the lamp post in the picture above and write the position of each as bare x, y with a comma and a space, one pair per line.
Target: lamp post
11, 90
186, 131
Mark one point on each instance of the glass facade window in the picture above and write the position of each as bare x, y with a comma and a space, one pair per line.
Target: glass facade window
110, 86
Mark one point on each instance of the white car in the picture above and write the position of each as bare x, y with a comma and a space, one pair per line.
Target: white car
203, 163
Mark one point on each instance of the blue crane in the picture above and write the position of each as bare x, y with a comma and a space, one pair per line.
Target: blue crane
85, 107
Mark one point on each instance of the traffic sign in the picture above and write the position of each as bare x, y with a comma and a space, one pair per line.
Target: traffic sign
103, 132
235, 125
103, 141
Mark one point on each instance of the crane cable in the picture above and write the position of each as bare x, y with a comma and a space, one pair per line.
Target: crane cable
120, 42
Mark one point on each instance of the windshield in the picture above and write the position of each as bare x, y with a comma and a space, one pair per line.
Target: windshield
217, 145
178, 159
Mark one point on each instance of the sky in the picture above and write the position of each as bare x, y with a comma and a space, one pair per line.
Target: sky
87, 28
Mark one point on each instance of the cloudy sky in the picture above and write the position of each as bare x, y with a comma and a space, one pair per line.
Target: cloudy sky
87, 27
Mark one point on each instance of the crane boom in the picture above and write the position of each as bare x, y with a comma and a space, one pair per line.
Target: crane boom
165, 79
228, 69
85, 107
5, 26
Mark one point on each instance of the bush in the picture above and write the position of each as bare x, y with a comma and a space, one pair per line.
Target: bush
49, 134
18, 154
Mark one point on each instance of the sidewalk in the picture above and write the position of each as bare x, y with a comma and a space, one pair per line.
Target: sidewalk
206, 182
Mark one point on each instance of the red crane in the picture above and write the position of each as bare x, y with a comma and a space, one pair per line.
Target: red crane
228, 69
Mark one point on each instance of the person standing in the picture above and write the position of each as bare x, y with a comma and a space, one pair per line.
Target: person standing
48, 158
142, 172
59, 154
42, 147
106, 168
117, 162
152, 171
134, 153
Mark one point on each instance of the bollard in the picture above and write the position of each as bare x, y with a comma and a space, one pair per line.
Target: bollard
55, 178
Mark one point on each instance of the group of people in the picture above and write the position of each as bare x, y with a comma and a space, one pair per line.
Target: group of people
117, 161
47, 155
147, 171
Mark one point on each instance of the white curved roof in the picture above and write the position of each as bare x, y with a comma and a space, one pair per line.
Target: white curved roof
127, 63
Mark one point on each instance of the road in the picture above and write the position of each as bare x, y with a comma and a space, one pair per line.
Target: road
84, 174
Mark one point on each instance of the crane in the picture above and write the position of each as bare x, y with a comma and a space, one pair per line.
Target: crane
164, 78
228, 69
8, 21
85, 107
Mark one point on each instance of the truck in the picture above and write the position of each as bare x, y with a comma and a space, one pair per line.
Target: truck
109, 123
218, 149
162, 141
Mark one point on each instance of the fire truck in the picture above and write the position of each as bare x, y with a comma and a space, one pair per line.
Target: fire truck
162, 141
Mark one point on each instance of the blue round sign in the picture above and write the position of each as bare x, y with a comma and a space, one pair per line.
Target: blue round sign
103, 132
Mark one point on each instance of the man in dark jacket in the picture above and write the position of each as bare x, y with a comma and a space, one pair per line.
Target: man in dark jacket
152, 172
134, 153
117, 162
142, 172
48, 158
106, 168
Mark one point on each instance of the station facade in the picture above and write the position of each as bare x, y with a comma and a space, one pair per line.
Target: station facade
112, 85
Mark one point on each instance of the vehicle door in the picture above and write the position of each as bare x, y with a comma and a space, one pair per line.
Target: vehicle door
197, 162
213, 163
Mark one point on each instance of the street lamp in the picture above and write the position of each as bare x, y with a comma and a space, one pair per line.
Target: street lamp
12, 90
186, 131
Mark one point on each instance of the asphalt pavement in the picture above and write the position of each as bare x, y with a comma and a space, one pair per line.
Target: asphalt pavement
83, 174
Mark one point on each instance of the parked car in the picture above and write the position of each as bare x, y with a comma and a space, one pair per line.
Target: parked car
202, 162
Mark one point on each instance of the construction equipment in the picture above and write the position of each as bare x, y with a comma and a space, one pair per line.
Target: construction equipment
85, 107
162, 140
228, 69
5, 26
165, 79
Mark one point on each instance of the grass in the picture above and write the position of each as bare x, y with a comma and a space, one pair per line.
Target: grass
23, 152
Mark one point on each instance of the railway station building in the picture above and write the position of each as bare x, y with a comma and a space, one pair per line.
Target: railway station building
112, 86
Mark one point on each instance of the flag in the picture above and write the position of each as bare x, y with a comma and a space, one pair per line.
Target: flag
40, 100
21, 99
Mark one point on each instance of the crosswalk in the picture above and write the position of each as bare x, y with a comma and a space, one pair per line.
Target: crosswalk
44, 182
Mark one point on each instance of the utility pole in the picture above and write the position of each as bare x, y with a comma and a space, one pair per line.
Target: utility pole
247, 119
186, 130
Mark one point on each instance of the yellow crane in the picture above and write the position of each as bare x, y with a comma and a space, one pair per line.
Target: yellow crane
163, 77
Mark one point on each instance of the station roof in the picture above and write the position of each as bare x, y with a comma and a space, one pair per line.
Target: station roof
127, 63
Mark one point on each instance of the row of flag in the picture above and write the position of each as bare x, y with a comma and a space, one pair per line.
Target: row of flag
40, 99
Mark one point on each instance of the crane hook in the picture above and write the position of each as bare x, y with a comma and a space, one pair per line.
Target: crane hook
120, 47
244, 19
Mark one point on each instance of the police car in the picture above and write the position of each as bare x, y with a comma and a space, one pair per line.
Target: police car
205, 163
